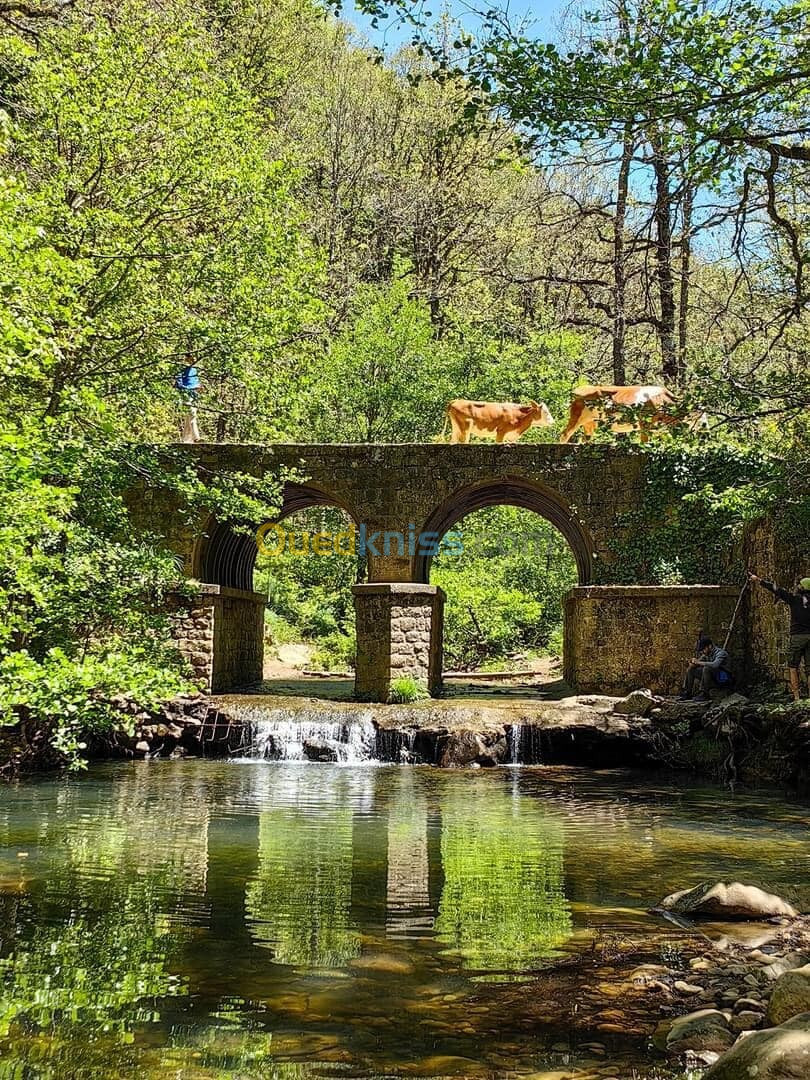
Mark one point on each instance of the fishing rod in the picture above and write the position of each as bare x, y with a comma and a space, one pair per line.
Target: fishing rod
734, 614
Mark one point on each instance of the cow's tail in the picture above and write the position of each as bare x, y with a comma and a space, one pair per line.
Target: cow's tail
441, 438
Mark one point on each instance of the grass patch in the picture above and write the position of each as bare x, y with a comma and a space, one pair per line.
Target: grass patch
407, 690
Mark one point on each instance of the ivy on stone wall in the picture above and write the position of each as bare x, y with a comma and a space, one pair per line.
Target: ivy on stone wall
695, 503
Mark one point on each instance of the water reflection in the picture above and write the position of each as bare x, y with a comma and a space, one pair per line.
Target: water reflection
105, 970
502, 905
409, 911
207, 919
299, 903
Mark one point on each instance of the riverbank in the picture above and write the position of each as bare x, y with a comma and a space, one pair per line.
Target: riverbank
689, 1001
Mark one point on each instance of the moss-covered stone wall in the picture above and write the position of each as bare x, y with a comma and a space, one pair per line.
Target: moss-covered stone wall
784, 559
618, 638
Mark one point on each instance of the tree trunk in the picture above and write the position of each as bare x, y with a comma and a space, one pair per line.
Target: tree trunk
686, 254
663, 255
55, 397
619, 278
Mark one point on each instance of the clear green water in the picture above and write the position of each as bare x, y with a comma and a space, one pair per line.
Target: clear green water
203, 919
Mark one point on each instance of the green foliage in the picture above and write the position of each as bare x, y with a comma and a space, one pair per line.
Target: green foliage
504, 593
78, 594
693, 537
309, 594
406, 690
379, 381
82, 593
336, 650
145, 217
173, 219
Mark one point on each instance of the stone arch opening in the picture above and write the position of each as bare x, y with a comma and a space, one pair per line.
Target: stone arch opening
516, 491
227, 647
466, 641
227, 557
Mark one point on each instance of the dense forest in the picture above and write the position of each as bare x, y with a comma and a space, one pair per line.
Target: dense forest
342, 241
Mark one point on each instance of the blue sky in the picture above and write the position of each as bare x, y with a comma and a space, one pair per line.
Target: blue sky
544, 16
390, 34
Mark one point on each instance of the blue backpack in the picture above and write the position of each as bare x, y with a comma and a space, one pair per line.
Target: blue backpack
188, 379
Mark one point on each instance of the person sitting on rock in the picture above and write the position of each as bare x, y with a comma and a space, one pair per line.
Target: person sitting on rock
706, 670
799, 604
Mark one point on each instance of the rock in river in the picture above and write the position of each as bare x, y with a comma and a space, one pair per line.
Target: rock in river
706, 1029
791, 996
319, 751
734, 901
777, 1053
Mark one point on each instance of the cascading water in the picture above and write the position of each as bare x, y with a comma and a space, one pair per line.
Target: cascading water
286, 740
267, 729
396, 745
525, 744
309, 738
275, 733
513, 734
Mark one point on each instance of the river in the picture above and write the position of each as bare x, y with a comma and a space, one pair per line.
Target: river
212, 919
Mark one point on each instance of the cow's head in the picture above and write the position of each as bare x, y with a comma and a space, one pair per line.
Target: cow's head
541, 417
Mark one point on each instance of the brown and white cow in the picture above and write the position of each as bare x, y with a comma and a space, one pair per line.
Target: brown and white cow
503, 422
625, 408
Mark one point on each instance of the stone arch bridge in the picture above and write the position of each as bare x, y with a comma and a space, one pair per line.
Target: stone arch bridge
401, 497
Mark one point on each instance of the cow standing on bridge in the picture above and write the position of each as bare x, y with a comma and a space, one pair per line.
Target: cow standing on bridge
625, 408
503, 421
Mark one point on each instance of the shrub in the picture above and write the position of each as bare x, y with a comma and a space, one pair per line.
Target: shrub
406, 690
335, 651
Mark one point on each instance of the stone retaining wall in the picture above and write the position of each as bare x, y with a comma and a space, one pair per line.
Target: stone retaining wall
770, 556
618, 638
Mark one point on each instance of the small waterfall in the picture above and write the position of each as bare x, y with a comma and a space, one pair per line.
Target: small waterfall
513, 737
313, 740
280, 734
396, 746
268, 730
525, 744
348, 737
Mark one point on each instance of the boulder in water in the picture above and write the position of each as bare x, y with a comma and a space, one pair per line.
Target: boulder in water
733, 901
791, 996
777, 1053
319, 751
461, 748
470, 748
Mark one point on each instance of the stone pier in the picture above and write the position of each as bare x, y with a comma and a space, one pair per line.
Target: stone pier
220, 631
399, 633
